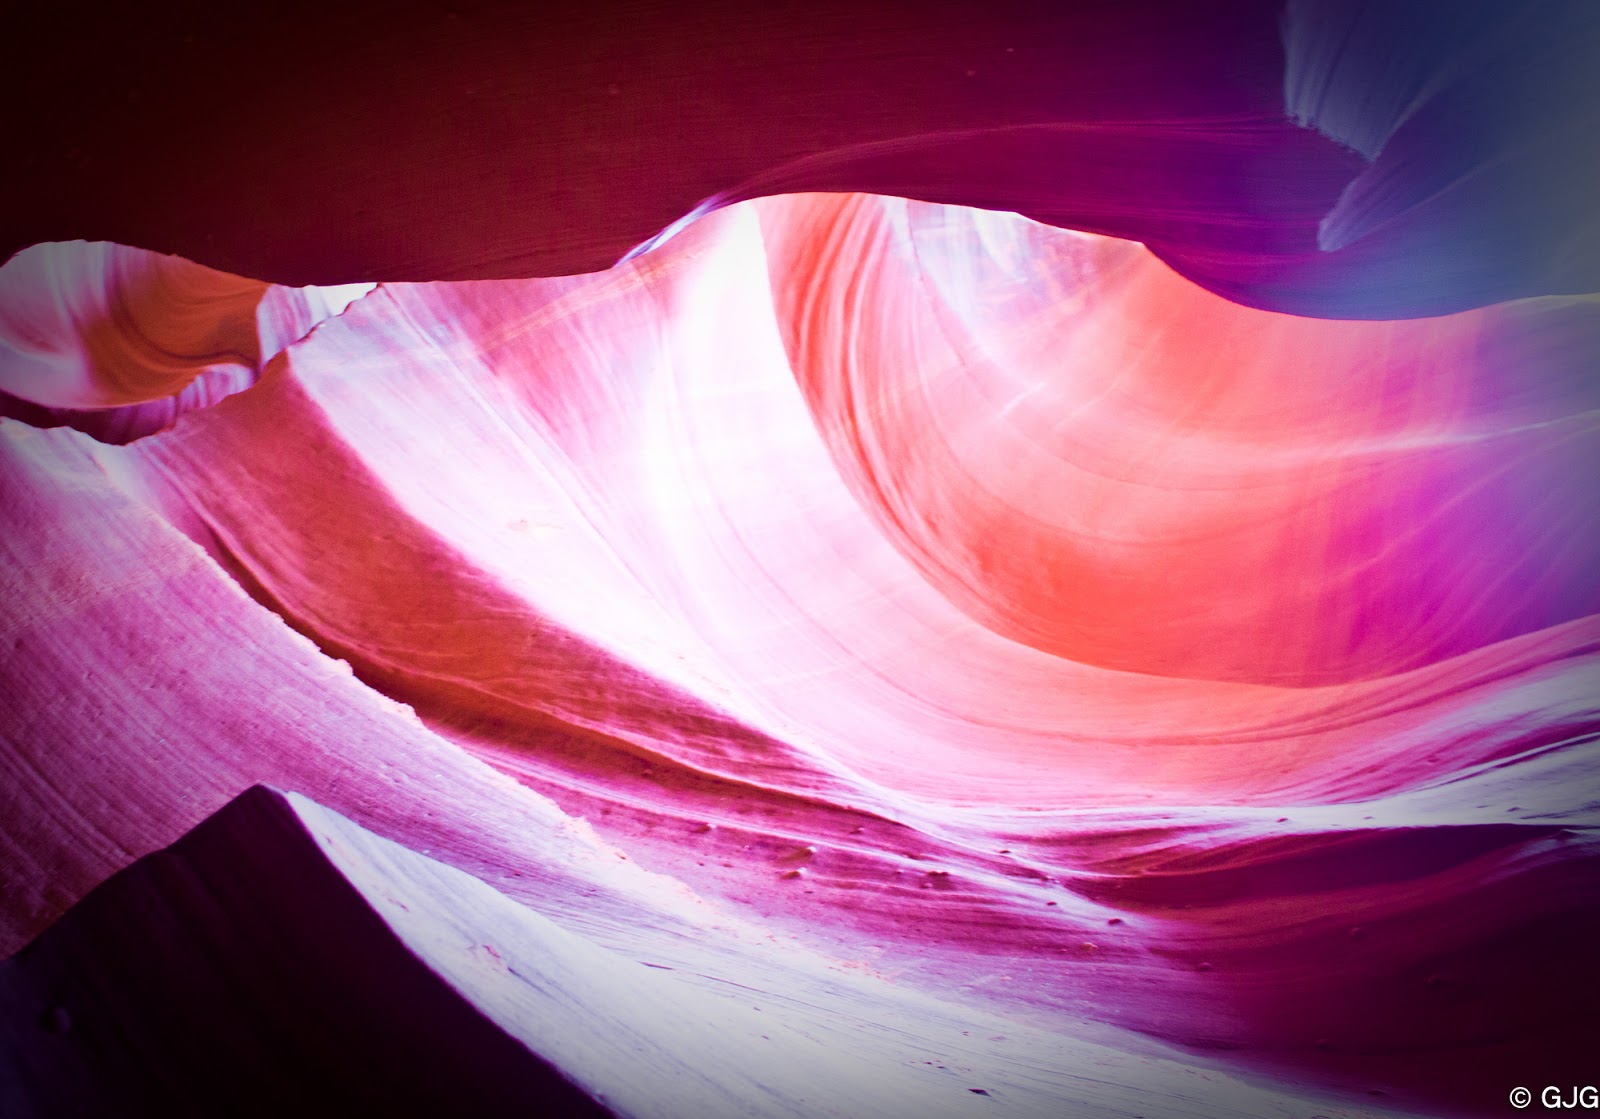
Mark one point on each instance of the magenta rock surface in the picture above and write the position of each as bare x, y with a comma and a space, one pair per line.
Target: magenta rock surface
735, 644
279, 957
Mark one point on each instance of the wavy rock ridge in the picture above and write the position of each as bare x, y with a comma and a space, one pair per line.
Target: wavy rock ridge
618, 537
1157, 610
